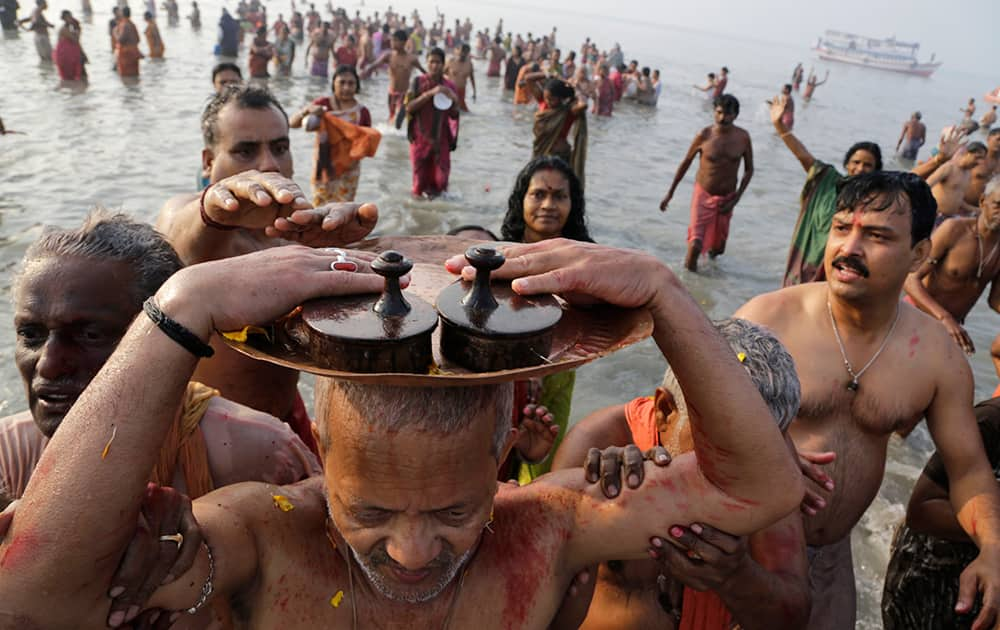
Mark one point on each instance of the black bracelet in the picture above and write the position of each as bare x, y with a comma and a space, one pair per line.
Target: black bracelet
190, 341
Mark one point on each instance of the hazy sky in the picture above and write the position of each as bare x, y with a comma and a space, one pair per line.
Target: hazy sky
965, 34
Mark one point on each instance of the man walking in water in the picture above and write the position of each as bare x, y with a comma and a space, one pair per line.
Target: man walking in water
401, 66
459, 69
722, 146
915, 134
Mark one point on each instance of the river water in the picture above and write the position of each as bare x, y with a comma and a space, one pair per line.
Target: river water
133, 146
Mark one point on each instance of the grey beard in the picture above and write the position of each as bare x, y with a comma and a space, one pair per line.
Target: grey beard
385, 589
382, 585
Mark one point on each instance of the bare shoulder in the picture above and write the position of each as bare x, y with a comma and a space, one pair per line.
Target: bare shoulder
172, 211
774, 308
255, 504
549, 500
932, 337
950, 231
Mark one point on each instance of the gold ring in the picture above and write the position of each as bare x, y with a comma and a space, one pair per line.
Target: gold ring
174, 538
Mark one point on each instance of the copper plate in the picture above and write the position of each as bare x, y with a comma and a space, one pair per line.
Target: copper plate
582, 335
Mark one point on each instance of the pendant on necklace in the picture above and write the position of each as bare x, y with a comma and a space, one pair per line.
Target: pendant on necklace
853, 385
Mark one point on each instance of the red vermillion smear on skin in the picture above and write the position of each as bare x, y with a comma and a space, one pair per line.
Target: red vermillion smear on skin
21, 548
520, 570
914, 340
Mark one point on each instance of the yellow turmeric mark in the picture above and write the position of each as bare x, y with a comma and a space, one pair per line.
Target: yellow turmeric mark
240, 336
336, 599
282, 503
107, 447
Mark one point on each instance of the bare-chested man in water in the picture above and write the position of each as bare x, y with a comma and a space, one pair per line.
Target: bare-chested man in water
390, 537
722, 147
321, 43
459, 69
871, 365
401, 67
915, 134
986, 170
950, 182
964, 260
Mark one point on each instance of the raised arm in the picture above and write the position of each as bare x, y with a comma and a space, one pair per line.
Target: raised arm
728, 482
79, 510
250, 199
798, 149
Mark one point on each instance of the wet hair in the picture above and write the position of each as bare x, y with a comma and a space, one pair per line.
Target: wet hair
729, 104
224, 66
870, 147
465, 48
440, 410
765, 359
518, 51
918, 115
126, 11
471, 228
262, 31
112, 237
559, 89
976, 147
244, 97
725, 69
711, 75
993, 132
645, 71
436, 52
787, 87
863, 192
400, 35
347, 69
576, 223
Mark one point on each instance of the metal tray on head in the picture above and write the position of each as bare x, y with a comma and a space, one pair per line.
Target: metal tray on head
582, 334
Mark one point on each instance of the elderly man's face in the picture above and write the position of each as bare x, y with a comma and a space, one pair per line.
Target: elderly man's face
69, 315
411, 504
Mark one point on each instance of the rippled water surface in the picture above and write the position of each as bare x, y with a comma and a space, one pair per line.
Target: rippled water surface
133, 146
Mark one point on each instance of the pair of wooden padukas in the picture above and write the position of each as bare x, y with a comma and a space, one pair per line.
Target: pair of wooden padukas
485, 326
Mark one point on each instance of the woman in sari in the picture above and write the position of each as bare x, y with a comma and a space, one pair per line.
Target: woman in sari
558, 113
547, 202
69, 56
328, 182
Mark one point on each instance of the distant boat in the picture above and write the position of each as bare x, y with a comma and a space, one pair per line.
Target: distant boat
881, 54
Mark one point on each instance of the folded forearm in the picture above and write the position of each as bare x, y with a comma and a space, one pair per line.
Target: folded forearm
736, 440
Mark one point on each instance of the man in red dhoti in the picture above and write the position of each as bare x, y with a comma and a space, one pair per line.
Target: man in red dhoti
722, 147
